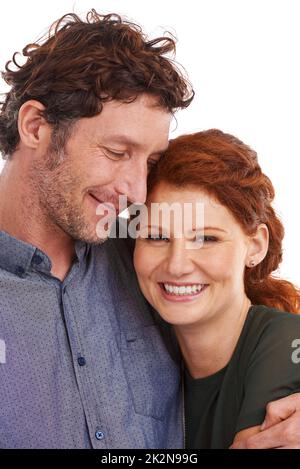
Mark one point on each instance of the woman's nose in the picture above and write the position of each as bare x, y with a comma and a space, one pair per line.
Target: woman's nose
179, 260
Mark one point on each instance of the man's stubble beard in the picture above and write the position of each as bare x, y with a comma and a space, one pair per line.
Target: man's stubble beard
57, 190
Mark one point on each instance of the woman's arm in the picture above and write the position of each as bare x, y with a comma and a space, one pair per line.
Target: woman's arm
271, 374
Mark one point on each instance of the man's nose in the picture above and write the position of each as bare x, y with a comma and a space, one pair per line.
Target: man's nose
134, 184
179, 261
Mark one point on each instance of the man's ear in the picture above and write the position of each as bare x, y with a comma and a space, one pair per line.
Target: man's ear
258, 246
33, 128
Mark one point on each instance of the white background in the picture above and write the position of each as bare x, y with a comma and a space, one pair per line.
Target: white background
242, 57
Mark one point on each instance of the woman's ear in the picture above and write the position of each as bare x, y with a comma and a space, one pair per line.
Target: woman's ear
258, 246
32, 126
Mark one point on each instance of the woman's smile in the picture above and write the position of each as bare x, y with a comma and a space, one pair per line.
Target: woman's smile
182, 292
205, 278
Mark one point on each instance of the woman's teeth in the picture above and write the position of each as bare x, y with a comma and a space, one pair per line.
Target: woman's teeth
183, 290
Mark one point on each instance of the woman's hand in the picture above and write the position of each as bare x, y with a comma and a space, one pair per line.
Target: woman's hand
281, 428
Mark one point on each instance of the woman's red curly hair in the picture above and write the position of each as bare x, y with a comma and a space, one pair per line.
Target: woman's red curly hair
227, 169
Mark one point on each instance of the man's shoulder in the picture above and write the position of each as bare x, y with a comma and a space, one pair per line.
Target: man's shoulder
118, 254
122, 246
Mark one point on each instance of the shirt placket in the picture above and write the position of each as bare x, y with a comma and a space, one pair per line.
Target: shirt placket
84, 378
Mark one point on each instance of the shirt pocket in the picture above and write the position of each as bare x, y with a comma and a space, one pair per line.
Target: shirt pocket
152, 375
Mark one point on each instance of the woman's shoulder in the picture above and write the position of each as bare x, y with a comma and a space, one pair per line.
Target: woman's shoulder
265, 367
268, 339
267, 317
268, 329
268, 325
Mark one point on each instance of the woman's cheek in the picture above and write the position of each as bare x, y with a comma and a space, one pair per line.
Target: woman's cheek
218, 262
137, 257
142, 259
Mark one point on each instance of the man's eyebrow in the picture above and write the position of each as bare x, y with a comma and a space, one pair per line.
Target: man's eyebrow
119, 138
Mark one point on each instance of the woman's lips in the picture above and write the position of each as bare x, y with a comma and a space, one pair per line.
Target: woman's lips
181, 298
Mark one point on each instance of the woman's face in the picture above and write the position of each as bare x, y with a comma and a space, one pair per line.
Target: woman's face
186, 281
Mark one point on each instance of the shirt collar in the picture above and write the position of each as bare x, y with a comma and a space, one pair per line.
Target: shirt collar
19, 257
81, 249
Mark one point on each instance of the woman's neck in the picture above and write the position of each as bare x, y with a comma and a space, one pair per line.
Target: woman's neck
208, 347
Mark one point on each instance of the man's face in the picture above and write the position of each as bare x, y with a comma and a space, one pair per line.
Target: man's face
106, 156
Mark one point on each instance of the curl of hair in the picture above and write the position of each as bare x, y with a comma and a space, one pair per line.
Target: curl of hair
227, 169
80, 64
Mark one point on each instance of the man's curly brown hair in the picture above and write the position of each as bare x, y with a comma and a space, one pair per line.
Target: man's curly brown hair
82, 64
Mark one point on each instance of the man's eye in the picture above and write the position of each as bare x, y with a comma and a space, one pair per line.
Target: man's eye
114, 154
152, 163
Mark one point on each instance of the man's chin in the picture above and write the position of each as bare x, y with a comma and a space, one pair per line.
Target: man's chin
86, 234
92, 238
91, 232
96, 242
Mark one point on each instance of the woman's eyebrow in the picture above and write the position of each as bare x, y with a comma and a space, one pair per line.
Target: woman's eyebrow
206, 228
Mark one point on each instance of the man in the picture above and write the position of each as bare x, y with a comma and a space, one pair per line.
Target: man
85, 365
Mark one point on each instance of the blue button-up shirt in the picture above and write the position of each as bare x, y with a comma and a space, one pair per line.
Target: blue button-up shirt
83, 363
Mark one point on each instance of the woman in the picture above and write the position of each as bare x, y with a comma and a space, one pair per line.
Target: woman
232, 318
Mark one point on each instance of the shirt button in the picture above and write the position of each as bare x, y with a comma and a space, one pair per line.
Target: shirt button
99, 435
37, 259
81, 361
20, 270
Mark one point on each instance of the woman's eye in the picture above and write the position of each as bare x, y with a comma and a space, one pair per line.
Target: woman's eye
156, 238
205, 239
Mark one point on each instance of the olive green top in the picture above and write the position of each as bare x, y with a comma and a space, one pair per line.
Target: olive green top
265, 366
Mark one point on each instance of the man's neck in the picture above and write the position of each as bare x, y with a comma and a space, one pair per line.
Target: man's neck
22, 217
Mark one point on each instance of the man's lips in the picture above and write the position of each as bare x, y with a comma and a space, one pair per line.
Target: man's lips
106, 205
